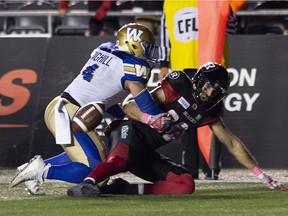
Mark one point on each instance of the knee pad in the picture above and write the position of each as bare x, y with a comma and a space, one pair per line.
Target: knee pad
185, 181
188, 181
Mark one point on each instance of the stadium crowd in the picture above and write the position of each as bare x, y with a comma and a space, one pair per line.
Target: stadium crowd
102, 23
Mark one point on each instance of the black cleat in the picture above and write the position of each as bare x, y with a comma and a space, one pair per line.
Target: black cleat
120, 186
84, 190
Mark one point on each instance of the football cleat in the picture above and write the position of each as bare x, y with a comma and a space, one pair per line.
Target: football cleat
21, 168
33, 171
84, 190
121, 186
32, 188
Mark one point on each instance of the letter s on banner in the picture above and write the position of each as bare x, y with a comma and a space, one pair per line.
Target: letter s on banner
18, 94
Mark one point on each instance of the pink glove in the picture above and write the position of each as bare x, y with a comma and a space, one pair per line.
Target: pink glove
270, 183
159, 122
175, 132
267, 180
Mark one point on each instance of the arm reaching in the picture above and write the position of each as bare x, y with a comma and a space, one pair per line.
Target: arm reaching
143, 98
238, 149
267, 180
159, 122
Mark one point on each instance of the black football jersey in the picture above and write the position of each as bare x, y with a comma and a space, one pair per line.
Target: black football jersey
181, 104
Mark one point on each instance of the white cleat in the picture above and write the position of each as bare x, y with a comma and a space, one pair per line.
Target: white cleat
21, 168
34, 170
32, 188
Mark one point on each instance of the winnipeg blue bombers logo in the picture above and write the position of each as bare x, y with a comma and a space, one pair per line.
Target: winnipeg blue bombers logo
133, 33
174, 74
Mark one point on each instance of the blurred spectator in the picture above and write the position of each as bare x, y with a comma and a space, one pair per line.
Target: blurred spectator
151, 22
268, 24
96, 22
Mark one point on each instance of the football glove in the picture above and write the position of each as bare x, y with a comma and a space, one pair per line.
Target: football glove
159, 122
174, 132
271, 183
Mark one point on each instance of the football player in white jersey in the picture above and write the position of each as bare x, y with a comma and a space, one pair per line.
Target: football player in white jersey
113, 70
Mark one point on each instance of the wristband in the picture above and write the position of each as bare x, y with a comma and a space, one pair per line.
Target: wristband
146, 103
257, 170
145, 118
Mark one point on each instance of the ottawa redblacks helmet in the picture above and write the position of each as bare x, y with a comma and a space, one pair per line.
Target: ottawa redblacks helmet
217, 77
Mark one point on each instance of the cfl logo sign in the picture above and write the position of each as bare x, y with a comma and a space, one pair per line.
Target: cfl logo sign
133, 33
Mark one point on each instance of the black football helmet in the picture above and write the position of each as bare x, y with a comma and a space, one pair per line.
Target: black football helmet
216, 76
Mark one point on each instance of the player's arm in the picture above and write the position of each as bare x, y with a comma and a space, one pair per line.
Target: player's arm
132, 110
238, 149
142, 97
234, 144
159, 122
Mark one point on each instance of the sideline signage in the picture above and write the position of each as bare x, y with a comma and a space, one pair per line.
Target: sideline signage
33, 71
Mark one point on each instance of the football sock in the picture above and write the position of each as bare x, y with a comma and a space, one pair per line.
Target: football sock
58, 159
257, 170
73, 172
104, 170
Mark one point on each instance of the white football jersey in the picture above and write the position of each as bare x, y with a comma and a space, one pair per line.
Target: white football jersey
102, 77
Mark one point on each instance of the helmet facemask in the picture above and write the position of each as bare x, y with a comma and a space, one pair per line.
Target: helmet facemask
210, 86
150, 50
208, 93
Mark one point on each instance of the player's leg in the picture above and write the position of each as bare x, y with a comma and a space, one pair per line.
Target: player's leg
85, 152
116, 161
144, 162
59, 159
167, 176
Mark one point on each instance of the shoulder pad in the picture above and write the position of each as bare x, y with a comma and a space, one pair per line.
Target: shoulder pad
177, 79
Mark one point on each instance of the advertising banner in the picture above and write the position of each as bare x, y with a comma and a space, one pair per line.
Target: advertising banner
34, 71
21, 69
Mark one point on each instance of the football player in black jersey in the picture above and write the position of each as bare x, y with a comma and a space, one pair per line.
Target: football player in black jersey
191, 103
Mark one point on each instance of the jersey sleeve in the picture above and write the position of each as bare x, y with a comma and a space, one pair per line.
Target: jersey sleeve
174, 83
176, 79
135, 69
213, 115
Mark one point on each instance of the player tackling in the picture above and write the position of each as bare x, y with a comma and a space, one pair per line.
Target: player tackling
191, 103
112, 71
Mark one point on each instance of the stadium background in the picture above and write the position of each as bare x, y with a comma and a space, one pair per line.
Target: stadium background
35, 70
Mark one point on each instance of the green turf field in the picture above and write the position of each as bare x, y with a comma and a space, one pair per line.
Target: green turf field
211, 198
